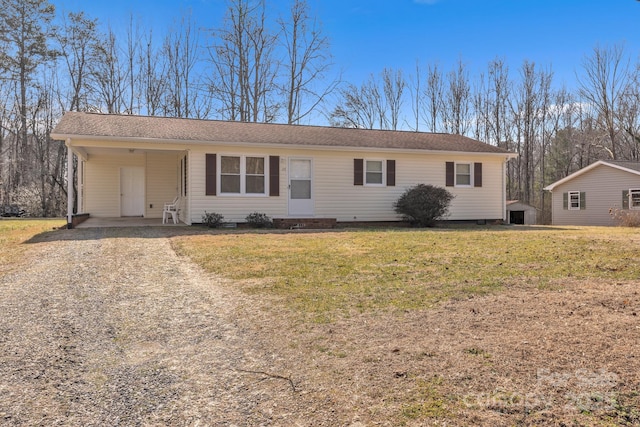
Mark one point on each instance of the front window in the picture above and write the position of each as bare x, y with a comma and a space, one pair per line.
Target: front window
230, 174
254, 183
242, 175
634, 198
374, 172
463, 174
574, 200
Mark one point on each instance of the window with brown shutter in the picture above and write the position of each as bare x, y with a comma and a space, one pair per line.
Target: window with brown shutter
450, 174
274, 176
210, 175
358, 171
391, 173
477, 174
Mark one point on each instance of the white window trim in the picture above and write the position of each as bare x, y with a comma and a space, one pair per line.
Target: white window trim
455, 175
569, 207
633, 190
243, 175
384, 173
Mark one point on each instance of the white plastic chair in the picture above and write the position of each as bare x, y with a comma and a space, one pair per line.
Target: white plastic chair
170, 209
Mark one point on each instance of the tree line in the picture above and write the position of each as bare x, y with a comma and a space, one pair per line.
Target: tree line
261, 65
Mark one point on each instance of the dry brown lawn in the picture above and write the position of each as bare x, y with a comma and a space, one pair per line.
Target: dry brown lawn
112, 327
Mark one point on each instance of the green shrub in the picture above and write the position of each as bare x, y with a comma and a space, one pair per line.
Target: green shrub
212, 219
259, 220
423, 204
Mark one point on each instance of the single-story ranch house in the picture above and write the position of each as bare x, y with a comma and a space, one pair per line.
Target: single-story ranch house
130, 166
586, 196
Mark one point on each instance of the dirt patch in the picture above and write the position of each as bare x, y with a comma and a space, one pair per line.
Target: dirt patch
525, 356
110, 327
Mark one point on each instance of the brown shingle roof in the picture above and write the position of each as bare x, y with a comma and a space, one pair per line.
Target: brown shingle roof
74, 125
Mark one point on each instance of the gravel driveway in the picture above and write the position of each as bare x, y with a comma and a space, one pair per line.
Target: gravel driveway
110, 327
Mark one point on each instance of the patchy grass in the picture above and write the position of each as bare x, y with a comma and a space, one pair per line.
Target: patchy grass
14, 232
427, 401
363, 270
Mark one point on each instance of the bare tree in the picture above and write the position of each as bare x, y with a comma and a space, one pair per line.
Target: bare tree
359, 107
47, 155
153, 77
181, 54
108, 74
393, 84
306, 64
605, 80
244, 70
457, 106
24, 37
76, 38
434, 97
132, 53
417, 100
376, 104
528, 109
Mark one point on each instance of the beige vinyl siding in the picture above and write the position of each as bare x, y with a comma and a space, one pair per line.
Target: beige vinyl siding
334, 194
162, 170
102, 180
234, 207
603, 187
102, 186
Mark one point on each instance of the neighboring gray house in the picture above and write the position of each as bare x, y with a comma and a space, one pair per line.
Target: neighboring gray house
586, 196
521, 213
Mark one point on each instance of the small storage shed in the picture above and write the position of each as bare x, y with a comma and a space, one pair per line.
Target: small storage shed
521, 213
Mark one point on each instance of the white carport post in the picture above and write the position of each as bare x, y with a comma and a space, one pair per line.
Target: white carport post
80, 195
70, 194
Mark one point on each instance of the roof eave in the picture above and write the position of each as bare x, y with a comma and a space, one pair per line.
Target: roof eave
138, 140
587, 169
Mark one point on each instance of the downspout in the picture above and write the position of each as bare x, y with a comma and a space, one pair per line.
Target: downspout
504, 190
70, 194
188, 207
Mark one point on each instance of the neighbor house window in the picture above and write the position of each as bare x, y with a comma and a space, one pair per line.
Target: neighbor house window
374, 172
634, 198
574, 200
463, 174
242, 175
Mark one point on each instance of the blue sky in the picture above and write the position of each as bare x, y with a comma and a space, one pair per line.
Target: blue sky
368, 35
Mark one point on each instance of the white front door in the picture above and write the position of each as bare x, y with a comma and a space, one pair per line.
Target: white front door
300, 187
132, 191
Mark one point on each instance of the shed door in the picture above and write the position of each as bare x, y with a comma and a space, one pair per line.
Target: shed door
300, 187
132, 191
516, 217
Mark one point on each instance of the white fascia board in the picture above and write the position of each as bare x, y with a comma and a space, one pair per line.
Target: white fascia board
587, 169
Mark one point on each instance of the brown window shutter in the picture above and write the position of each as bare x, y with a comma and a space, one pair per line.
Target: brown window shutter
565, 201
358, 171
450, 174
211, 175
477, 174
274, 176
391, 173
